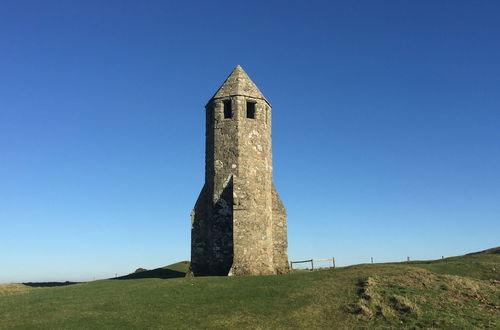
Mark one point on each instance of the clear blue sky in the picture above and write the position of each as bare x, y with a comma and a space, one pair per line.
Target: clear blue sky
386, 129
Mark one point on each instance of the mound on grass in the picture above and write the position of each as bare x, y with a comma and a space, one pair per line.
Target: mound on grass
420, 298
172, 271
456, 293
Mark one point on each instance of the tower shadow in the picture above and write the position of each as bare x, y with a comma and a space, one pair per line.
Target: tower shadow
212, 233
222, 232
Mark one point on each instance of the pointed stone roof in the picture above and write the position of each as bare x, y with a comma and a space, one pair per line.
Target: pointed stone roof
238, 83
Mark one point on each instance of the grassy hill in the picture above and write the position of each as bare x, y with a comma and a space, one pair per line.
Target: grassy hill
172, 271
459, 292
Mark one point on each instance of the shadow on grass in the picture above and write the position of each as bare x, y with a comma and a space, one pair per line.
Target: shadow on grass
155, 273
48, 284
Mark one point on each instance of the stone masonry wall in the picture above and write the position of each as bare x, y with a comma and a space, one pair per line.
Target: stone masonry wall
239, 221
253, 248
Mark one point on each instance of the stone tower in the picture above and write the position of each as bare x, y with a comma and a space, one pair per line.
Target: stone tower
239, 221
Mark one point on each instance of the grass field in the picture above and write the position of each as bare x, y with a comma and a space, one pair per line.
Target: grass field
453, 293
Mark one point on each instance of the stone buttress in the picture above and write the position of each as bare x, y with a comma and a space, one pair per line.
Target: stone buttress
239, 221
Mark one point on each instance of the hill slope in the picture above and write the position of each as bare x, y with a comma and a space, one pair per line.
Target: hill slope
171, 271
459, 292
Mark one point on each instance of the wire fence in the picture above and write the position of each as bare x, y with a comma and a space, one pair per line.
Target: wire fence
312, 261
330, 261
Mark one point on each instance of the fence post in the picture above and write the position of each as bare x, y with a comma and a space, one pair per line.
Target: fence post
312, 264
372, 259
291, 264
333, 262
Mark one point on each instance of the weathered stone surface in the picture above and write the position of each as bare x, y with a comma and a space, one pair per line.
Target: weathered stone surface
238, 83
239, 221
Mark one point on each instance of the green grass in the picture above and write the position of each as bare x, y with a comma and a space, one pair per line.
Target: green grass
172, 271
453, 293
